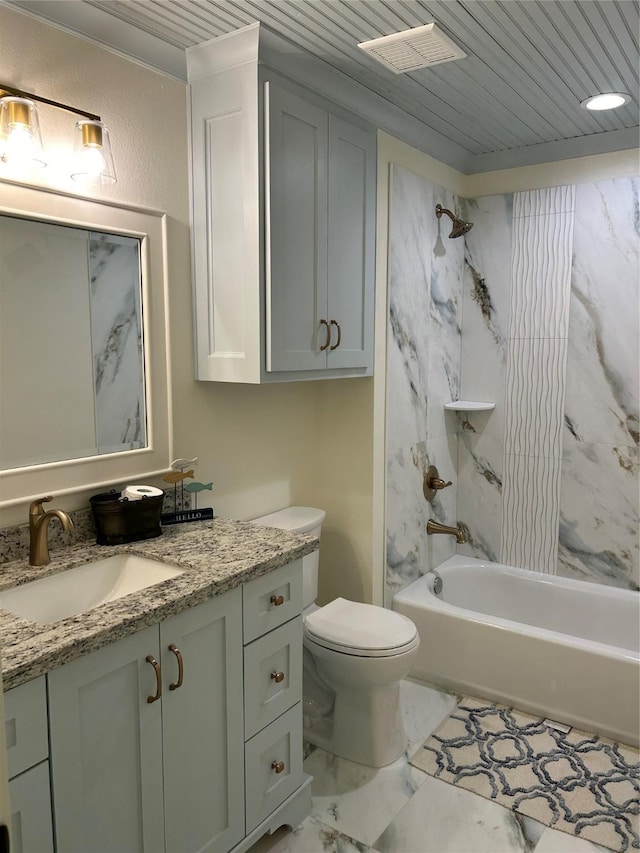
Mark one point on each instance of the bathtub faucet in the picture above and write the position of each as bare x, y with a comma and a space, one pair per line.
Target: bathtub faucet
461, 532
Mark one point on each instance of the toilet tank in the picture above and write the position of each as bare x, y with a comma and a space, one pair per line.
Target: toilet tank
300, 519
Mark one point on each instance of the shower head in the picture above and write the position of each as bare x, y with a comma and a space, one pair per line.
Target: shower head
459, 227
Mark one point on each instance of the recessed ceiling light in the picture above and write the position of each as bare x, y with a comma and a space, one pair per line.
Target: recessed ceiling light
606, 101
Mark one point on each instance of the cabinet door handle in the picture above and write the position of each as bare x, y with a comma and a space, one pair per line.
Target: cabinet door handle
328, 338
339, 341
278, 766
173, 648
277, 677
156, 666
277, 600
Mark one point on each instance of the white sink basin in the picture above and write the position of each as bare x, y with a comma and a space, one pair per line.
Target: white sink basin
84, 587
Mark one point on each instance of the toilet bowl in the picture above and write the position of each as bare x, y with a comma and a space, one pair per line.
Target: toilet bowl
354, 658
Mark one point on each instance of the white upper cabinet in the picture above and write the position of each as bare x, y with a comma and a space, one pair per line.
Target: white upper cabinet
283, 220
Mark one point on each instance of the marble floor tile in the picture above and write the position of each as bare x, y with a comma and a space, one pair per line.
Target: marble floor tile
359, 801
312, 836
423, 709
441, 818
553, 841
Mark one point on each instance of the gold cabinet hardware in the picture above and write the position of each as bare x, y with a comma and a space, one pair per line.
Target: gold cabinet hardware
156, 666
432, 483
176, 651
277, 600
278, 766
328, 338
277, 677
339, 341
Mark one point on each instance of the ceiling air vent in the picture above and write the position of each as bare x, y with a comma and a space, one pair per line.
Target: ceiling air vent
411, 49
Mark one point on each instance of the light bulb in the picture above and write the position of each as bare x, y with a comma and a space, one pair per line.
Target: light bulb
93, 163
20, 143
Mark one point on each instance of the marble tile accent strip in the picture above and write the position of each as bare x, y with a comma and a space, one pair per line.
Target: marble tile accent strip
535, 382
541, 263
530, 512
535, 376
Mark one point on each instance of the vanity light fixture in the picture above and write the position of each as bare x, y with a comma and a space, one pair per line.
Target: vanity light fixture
605, 101
93, 162
21, 143
20, 140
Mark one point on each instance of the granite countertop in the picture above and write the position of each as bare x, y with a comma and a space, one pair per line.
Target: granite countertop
216, 556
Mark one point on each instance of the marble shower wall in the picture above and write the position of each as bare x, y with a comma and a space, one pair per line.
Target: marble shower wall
599, 500
567, 413
551, 481
423, 373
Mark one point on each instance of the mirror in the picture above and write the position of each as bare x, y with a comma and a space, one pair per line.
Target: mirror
84, 396
71, 299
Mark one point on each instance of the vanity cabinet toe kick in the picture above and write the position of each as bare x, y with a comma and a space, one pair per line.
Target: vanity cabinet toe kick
189, 731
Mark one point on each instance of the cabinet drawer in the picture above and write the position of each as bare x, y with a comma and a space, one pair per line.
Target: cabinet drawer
25, 725
272, 676
31, 825
279, 744
271, 600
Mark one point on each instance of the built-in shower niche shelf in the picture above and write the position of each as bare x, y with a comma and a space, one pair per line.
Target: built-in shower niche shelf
469, 406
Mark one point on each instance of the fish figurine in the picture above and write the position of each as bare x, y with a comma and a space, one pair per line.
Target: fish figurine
181, 464
198, 487
195, 488
176, 476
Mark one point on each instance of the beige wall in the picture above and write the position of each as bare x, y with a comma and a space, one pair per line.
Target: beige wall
262, 446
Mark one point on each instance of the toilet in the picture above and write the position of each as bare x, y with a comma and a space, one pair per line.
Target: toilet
354, 658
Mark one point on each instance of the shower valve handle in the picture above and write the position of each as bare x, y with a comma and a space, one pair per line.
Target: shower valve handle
432, 483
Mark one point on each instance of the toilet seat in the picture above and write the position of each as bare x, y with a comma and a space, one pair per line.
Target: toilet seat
353, 628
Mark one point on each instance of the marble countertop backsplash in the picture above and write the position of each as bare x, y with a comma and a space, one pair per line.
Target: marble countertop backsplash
215, 556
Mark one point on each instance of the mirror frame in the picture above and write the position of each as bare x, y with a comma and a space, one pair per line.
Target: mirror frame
18, 485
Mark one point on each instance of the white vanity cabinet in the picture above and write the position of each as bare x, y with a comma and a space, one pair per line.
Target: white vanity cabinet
186, 736
283, 219
25, 716
133, 774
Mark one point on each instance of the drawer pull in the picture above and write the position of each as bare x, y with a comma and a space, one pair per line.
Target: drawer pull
156, 666
277, 600
278, 766
173, 648
277, 677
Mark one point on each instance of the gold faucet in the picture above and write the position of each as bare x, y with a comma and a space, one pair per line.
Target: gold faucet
38, 527
460, 532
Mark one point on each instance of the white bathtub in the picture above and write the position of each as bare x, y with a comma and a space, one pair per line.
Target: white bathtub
563, 648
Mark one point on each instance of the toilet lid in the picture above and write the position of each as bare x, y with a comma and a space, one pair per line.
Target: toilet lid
361, 629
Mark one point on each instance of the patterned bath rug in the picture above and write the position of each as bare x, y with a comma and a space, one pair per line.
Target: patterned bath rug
579, 783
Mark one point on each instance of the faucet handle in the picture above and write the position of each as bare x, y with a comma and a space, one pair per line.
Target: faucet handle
432, 483
35, 507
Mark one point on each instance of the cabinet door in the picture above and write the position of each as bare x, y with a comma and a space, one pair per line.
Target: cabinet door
106, 750
296, 231
31, 830
352, 183
203, 726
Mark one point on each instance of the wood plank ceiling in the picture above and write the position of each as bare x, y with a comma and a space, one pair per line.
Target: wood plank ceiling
529, 62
